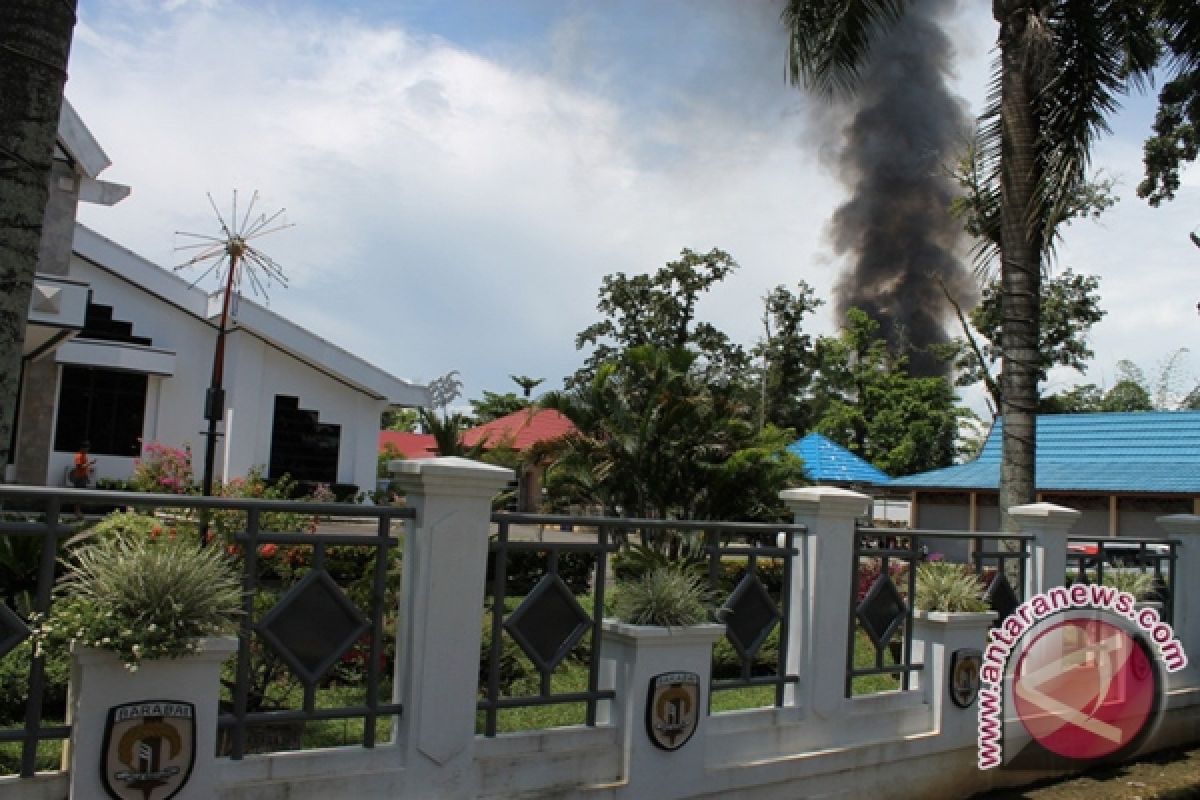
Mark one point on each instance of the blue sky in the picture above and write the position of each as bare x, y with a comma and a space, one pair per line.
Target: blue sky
462, 173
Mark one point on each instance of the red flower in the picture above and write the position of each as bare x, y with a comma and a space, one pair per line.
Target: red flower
268, 550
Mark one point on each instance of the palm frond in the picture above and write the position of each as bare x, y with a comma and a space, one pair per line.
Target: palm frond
828, 42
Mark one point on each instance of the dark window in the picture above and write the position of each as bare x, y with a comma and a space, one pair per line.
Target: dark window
103, 407
301, 445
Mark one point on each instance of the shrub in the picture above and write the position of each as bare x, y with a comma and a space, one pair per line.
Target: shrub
727, 663
668, 596
770, 572
163, 469
14, 684
634, 561
227, 523
526, 567
944, 586
517, 674
869, 570
142, 597
1137, 583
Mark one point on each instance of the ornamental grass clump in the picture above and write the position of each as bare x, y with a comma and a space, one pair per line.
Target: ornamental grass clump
949, 587
143, 597
668, 596
1133, 581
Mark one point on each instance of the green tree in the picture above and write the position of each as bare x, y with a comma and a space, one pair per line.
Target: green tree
527, 383
867, 402
1069, 308
1061, 65
660, 310
1082, 399
655, 439
1131, 392
1176, 138
494, 405
399, 419
787, 358
35, 40
447, 431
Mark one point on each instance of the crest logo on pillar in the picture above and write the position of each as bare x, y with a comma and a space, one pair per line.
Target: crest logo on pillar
673, 709
149, 749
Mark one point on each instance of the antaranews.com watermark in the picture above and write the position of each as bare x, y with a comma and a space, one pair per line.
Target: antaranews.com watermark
1086, 685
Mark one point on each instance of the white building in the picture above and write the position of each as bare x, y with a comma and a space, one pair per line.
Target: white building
118, 353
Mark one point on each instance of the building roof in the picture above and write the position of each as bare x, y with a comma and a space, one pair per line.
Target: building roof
826, 461
251, 317
410, 445
1141, 451
521, 429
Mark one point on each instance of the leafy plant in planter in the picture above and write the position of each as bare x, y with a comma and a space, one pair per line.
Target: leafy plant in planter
142, 597
1141, 585
949, 587
667, 595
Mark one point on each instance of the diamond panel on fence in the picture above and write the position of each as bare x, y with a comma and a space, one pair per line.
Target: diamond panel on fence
548, 623
313, 625
750, 616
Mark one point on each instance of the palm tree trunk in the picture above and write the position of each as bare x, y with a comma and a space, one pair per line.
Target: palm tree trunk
35, 39
1020, 269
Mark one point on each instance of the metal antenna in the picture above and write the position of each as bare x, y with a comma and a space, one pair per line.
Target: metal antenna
231, 254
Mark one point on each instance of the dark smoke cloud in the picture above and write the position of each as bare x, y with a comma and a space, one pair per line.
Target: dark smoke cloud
904, 129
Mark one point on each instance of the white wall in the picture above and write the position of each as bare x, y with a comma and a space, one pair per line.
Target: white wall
255, 371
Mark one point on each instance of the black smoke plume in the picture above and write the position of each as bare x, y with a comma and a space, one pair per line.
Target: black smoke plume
905, 131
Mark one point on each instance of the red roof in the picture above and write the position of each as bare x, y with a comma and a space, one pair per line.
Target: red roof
521, 429
412, 445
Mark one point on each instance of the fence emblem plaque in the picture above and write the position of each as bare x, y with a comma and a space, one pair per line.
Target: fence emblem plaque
672, 709
149, 749
964, 676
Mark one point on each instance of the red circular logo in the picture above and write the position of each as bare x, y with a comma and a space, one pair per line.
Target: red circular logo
1085, 688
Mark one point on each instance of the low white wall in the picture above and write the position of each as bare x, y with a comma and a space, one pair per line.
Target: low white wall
910, 744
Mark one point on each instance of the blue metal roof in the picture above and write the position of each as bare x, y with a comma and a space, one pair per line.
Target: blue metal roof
1141, 451
828, 462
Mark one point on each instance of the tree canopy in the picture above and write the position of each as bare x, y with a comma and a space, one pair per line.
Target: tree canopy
1176, 137
865, 400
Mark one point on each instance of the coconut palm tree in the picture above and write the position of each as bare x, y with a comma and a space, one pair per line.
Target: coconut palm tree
1060, 68
35, 38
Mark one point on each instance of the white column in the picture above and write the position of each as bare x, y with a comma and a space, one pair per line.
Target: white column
441, 612
1185, 591
1049, 525
821, 594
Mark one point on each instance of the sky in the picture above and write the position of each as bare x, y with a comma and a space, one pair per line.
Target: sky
461, 174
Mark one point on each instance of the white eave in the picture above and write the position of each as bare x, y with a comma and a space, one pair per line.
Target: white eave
90, 159
79, 143
117, 355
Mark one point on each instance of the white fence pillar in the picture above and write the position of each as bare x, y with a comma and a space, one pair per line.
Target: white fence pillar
445, 562
821, 593
1049, 525
1185, 591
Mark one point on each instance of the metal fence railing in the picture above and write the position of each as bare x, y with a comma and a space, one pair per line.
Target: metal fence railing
319, 581
535, 586
883, 588
1143, 566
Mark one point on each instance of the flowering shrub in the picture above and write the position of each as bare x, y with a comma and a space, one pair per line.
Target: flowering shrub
869, 570
227, 523
143, 597
163, 469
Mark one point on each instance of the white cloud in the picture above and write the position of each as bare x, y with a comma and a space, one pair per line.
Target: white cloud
457, 211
